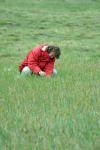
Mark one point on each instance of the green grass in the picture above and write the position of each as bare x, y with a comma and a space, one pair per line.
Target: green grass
58, 113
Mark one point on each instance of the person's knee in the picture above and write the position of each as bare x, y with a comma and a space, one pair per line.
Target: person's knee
26, 71
54, 72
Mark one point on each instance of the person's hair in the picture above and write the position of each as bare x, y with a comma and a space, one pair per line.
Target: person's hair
54, 49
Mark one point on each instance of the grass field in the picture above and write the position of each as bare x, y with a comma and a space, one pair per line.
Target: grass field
58, 113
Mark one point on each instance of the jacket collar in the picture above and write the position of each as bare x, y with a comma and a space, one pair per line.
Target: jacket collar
44, 48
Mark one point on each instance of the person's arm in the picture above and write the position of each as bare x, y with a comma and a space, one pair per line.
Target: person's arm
49, 68
33, 61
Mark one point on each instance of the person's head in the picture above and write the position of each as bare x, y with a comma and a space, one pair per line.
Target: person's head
53, 51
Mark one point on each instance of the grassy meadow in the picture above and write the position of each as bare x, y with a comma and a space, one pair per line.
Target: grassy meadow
57, 113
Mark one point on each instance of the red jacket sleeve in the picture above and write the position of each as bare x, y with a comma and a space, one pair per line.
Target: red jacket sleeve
49, 68
33, 60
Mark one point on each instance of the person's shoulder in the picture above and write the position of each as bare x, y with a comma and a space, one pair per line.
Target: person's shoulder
43, 47
40, 48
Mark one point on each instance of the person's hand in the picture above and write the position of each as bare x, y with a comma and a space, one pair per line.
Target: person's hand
42, 73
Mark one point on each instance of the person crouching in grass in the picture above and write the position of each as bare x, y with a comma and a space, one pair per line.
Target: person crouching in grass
40, 61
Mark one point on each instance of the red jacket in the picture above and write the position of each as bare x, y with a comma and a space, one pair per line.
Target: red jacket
38, 60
